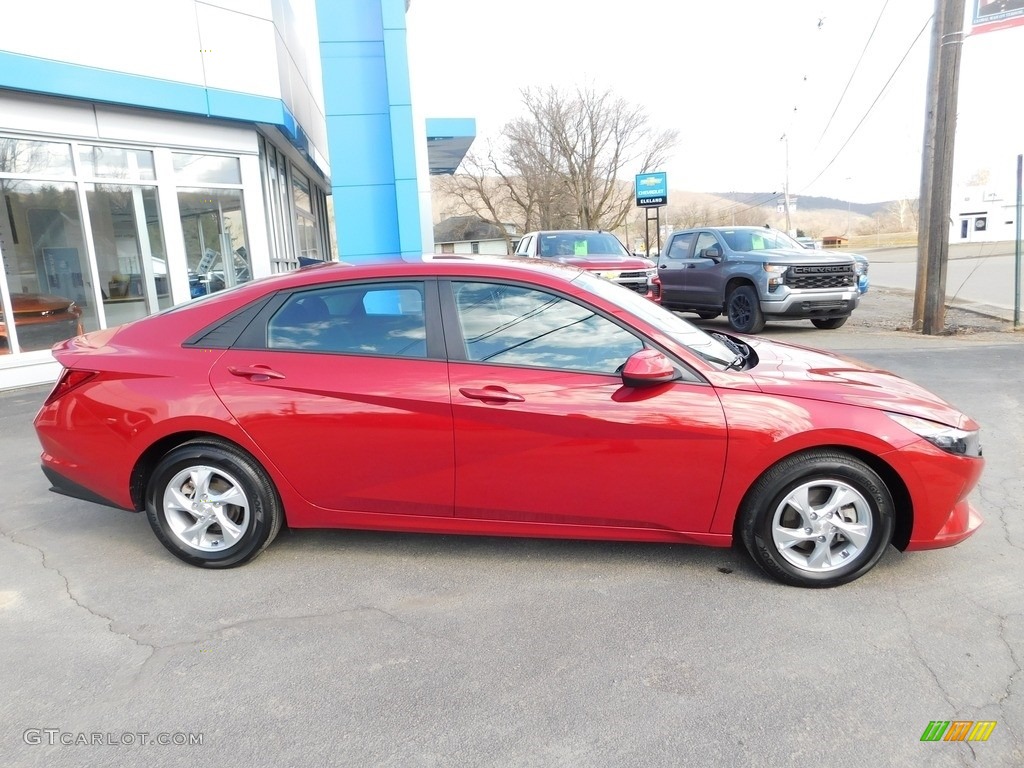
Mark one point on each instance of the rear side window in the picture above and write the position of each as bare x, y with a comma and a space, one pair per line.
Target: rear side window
385, 319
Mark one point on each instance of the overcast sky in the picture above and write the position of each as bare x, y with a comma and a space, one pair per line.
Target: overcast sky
733, 77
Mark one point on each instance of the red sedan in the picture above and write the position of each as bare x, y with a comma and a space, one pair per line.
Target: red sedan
508, 398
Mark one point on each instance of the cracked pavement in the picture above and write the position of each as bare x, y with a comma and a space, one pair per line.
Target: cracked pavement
359, 648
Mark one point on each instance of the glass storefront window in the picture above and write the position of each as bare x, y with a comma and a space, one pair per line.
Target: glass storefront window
305, 223
206, 169
213, 224
117, 163
46, 266
35, 158
130, 257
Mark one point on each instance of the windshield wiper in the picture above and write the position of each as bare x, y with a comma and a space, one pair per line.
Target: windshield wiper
742, 351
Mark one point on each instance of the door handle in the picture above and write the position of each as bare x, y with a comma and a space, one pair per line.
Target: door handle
492, 394
256, 372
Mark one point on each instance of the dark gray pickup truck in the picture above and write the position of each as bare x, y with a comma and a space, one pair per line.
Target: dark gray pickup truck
755, 274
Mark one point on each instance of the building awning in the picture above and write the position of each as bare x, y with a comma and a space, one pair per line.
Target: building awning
448, 141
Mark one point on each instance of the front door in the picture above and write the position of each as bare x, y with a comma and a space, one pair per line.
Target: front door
545, 431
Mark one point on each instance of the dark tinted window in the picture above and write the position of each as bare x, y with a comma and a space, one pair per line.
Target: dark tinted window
522, 326
680, 247
384, 319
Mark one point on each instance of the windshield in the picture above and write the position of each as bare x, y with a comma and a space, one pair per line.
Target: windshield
580, 244
708, 347
759, 239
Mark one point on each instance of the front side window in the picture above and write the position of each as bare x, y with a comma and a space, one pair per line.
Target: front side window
705, 240
680, 248
522, 326
386, 319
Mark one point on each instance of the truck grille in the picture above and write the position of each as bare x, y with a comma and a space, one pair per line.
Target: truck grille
825, 276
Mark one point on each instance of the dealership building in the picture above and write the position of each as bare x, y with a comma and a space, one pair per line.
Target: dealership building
152, 153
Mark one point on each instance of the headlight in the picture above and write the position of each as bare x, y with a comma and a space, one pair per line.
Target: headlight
776, 274
960, 442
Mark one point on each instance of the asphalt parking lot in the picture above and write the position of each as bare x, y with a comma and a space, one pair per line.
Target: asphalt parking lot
379, 649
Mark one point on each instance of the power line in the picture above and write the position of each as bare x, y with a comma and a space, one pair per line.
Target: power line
855, 68
873, 104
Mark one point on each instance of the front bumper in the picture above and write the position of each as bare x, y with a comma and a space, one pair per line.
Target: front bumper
803, 304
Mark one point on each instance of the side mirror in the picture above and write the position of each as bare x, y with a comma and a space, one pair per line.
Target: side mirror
713, 252
647, 368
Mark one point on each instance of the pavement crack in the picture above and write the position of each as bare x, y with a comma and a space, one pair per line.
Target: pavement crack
69, 593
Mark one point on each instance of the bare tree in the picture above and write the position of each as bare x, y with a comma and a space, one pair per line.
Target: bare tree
478, 193
565, 162
591, 139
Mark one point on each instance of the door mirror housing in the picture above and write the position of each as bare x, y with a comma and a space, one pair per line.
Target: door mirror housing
713, 252
648, 367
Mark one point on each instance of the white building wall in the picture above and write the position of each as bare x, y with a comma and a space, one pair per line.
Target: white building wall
264, 48
980, 214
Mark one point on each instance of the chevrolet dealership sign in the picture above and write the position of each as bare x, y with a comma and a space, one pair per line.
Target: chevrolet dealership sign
651, 189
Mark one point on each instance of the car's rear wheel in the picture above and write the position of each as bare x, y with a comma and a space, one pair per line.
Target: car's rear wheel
708, 315
744, 310
817, 519
830, 323
212, 505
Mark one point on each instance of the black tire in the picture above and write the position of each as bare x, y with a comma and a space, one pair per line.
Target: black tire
834, 547
708, 315
206, 533
743, 309
829, 323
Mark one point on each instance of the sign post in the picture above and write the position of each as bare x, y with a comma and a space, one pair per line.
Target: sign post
652, 192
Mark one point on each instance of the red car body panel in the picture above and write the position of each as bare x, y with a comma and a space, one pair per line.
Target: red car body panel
596, 452
393, 443
381, 426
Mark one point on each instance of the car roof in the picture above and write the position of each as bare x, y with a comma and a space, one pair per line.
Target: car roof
432, 264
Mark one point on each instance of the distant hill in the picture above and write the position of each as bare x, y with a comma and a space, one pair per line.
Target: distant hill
809, 203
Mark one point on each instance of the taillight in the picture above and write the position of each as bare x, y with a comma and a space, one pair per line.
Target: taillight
70, 379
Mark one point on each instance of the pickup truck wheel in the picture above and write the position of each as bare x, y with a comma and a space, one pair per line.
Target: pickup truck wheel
830, 323
708, 315
744, 310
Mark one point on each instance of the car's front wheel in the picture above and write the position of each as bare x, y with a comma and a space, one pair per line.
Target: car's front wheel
829, 323
212, 505
817, 519
743, 310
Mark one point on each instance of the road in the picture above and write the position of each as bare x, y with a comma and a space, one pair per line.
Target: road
978, 275
376, 649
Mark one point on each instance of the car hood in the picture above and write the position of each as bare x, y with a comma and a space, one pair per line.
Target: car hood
794, 371
605, 261
802, 256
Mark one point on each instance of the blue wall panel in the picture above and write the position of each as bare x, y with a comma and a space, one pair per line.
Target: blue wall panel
360, 148
370, 129
373, 209
361, 69
350, 20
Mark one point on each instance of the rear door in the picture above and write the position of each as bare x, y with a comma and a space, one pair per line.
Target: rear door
359, 375
673, 262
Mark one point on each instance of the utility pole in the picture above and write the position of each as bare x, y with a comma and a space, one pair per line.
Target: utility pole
937, 166
785, 185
